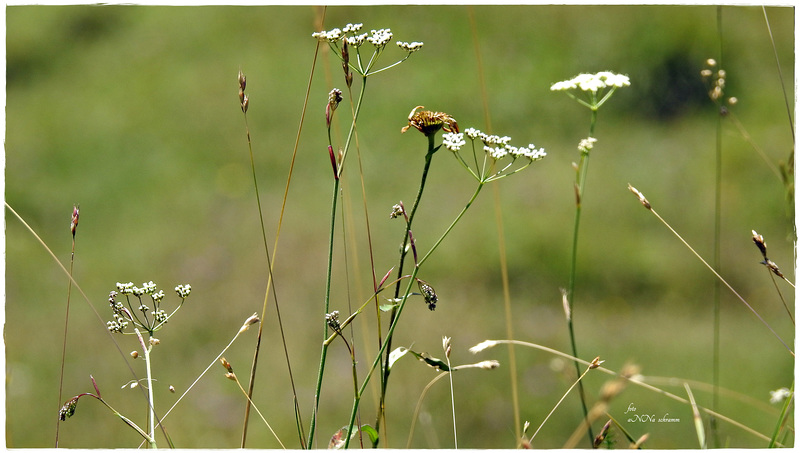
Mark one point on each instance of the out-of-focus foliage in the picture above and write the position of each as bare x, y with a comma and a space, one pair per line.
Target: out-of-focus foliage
132, 112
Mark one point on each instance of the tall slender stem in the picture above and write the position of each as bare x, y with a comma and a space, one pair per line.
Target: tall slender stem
717, 260
151, 417
403, 252
403, 301
66, 322
579, 188
151, 411
324, 353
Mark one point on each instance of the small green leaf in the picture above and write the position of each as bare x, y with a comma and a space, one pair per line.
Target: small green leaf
396, 354
432, 361
436, 363
371, 432
387, 307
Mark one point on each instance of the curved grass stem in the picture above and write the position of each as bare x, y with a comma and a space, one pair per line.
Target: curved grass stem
637, 380
649, 207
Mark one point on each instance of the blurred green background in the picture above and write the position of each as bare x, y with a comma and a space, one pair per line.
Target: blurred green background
132, 112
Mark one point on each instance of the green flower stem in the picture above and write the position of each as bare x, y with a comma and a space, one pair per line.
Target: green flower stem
352, 125
149, 438
579, 188
324, 354
325, 345
150, 403
402, 305
453, 224
403, 252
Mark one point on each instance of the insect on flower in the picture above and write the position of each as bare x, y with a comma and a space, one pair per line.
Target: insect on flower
429, 122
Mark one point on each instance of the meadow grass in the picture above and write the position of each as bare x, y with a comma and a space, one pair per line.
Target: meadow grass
173, 189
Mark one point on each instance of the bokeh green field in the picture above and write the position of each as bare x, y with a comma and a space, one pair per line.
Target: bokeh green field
132, 112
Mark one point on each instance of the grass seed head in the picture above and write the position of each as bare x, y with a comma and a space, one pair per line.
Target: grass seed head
759, 241
482, 345
488, 364
428, 293
598, 440
640, 196
68, 409
243, 100
596, 363
74, 224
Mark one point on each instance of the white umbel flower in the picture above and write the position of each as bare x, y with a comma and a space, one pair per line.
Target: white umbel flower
592, 82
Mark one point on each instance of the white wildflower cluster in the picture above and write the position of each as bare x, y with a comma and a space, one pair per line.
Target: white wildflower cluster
334, 35
349, 39
158, 296
183, 290
149, 287
586, 145
118, 324
125, 288
160, 316
409, 46
130, 289
357, 40
592, 82
380, 37
123, 315
495, 146
120, 319
453, 141
331, 36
